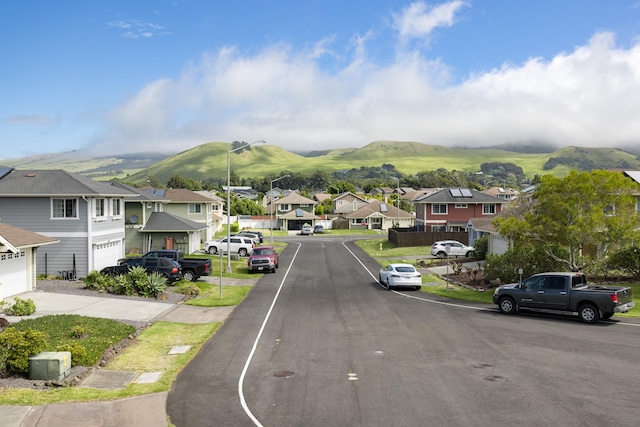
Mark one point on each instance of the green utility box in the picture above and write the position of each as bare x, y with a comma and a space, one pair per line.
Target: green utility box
50, 365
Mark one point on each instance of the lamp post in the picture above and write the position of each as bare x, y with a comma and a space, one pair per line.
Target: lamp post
229, 200
271, 206
397, 202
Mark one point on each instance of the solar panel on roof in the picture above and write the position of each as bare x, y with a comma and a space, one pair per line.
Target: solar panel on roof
5, 171
299, 213
466, 192
455, 192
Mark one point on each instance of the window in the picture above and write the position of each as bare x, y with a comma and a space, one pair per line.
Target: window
99, 211
215, 207
439, 209
461, 205
489, 209
284, 208
115, 207
64, 208
195, 208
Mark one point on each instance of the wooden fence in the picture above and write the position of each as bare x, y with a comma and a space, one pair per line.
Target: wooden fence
404, 237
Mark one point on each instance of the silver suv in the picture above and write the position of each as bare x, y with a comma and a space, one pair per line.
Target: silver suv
242, 246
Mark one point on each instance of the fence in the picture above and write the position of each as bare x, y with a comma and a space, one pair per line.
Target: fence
405, 237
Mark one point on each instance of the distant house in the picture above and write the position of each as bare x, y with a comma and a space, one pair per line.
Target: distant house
502, 193
449, 209
85, 216
347, 202
479, 227
378, 215
293, 211
18, 249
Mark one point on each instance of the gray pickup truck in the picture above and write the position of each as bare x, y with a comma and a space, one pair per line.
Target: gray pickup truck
566, 292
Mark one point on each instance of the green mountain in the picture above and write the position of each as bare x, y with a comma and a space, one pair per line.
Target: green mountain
209, 161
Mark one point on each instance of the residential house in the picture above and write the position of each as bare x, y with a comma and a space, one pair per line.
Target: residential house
217, 209
379, 215
449, 209
242, 192
502, 193
293, 211
18, 248
382, 191
479, 227
347, 202
85, 216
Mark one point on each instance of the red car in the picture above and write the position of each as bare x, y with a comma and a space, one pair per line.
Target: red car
263, 258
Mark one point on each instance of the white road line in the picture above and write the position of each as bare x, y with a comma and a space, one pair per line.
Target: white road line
243, 402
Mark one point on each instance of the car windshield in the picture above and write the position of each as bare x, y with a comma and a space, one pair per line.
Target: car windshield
262, 251
405, 269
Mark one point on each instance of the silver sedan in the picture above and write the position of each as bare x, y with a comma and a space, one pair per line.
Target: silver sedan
400, 276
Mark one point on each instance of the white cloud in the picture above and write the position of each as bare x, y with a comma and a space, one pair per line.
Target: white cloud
587, 97
419, 20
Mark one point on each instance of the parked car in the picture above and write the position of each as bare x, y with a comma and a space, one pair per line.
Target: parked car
192, 268
169, 268
249, 235
455, 249
564, 292
263, 258
318, 229
400, 276
242, 246
306, 230
252, 233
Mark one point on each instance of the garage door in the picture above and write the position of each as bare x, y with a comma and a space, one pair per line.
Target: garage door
13, 274
106, 254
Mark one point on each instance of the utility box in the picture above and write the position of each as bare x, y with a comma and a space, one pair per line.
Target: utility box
50, 365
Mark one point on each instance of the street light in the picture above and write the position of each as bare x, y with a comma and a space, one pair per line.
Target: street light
271, 206
229, 200
397, 202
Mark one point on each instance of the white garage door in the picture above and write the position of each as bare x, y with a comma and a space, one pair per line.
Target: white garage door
106, 254
13, 274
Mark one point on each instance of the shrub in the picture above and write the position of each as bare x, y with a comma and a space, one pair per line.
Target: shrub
481, 247
97, 281
17, 346
137, 277
155, 284
190, 290
627, 260
235, 227
531, 259
21, 307
78, 353
122, 285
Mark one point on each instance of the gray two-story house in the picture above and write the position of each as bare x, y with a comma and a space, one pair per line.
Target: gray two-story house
85, 216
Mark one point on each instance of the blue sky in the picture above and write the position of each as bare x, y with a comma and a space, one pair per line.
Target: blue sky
124, 76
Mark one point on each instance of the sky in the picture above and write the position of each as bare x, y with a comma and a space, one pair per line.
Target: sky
163, 76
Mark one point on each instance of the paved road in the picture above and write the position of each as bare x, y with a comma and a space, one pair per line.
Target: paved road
319, 343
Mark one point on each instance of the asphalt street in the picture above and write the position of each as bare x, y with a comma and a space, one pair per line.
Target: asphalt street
320, 343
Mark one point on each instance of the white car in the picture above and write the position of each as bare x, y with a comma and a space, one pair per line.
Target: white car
242, 246
306, 230
455, 249
400, 276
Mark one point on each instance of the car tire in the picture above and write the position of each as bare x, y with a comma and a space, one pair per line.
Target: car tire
441, 254
417, 288
189, 276
588, 313
469, 254
507, 305
242, 252
213, 250
273, 270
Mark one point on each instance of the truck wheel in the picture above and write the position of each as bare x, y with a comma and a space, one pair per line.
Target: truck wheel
189, 276
242, 252
589, 313
507, 305
213, 250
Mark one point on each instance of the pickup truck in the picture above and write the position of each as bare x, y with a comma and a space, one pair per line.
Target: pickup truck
564, 292
263, 258
192, 268
169, 268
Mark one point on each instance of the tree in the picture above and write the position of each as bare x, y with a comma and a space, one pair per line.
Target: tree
581, 210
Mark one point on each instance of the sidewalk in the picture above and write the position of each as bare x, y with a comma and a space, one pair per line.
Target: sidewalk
139, 411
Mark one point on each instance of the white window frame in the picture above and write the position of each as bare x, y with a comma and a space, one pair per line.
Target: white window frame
461, 206
99, 208
195, 208
284, 207
74, 208
489, 206
433, 210
116, 208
